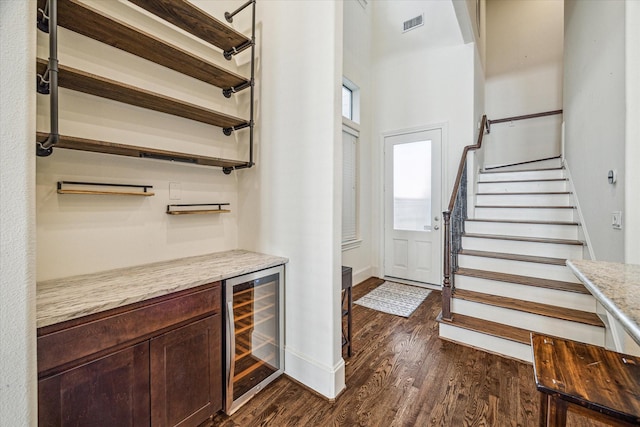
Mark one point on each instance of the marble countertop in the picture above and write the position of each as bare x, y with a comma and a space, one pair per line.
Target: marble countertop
68, 298
616, 286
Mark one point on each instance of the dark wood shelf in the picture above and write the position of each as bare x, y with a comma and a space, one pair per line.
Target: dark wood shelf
188, 17
84, 144
92, 84
89, 22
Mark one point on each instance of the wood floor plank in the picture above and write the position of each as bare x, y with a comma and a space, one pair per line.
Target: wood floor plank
514, 257
530, 307
524, 280
402, 374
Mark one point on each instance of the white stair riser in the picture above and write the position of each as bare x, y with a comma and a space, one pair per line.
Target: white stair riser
490, 343
551, 250
533, 322
574, 300
550, 231
522, 175
522, 187
524, 214
522, 268
524, 200
544, 164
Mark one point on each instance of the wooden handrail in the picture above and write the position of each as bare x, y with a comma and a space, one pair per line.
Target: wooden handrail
446, 216
524, 117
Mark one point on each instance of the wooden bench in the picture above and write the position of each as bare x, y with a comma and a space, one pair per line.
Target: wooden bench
598, 383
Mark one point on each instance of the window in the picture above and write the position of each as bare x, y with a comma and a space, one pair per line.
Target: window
347, 102
350, 164
349, 184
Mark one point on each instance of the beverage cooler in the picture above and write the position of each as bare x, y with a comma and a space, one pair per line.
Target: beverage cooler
254, 334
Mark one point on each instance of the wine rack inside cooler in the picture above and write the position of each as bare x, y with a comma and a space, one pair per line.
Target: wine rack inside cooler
254, 328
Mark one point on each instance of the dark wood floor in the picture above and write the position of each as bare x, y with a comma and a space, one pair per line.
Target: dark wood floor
402, 374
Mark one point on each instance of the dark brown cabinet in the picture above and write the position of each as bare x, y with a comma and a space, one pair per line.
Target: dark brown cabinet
110, 391
186, 377
154, 363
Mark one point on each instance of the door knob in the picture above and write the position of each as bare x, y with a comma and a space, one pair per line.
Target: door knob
436, 218
435, 227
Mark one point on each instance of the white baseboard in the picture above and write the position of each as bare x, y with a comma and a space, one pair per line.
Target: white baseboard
363, 274
327, 381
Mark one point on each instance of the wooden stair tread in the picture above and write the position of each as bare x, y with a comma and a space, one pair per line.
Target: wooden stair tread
84, 144
525, 239
92, 84
524, 207
487, 327
514, 257
525, 193
523, 170
523, 180
530, 307
188, 17
517, 221
524, 280
527, 162
83, 19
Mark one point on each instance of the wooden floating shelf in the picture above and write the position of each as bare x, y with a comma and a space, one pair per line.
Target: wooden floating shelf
96, 146
92, 84
82, 19
103, 191
172, 211
188, 17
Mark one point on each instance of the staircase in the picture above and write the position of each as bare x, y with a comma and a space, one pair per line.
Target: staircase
512, 277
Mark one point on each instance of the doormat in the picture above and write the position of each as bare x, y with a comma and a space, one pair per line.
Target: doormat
394, 298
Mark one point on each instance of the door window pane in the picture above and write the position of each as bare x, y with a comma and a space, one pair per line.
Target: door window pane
412, 186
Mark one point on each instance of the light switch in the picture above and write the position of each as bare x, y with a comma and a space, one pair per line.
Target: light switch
175, 191
616, 220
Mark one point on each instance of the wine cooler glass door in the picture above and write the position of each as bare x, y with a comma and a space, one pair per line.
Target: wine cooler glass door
255, 348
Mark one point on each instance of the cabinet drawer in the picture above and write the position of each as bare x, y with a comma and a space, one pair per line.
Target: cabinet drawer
118, 328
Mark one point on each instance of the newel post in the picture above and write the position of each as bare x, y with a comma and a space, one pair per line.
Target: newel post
446, 284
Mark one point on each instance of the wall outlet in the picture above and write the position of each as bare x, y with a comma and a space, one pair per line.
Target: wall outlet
175, 191
616, 220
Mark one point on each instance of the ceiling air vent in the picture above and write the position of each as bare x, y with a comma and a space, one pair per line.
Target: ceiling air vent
412, 23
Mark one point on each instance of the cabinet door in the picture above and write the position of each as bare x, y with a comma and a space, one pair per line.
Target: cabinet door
186, 374
111, 391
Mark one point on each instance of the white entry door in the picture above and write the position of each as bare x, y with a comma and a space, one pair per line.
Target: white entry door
413, 215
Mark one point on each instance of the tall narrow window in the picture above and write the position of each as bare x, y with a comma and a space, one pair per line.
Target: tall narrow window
349, 185
350, 163
347, 102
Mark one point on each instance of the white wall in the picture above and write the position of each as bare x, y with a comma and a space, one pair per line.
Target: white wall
357, 63
594, 105
82, 234
290, 203
524, 76
420, 84
18, 395
632, 151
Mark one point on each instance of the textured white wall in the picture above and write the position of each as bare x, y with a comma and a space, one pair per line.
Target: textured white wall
82, 234
290, 203
357, 63
632, 151
594, 105
17, 215
523, 76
